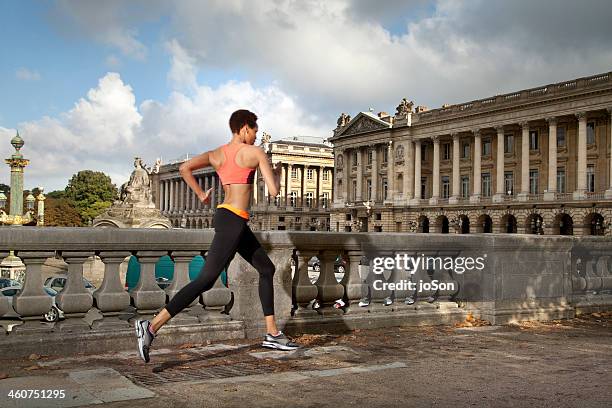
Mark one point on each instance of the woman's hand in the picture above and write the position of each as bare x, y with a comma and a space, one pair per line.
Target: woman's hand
204, 196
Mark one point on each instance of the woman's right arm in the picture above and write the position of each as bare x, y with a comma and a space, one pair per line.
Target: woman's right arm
186, 169
270, 175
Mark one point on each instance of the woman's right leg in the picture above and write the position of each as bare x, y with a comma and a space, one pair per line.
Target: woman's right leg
228, 231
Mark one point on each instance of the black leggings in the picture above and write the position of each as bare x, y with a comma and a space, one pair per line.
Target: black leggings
232, 234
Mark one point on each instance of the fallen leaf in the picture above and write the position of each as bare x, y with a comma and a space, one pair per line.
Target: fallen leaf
34, 357
30, 368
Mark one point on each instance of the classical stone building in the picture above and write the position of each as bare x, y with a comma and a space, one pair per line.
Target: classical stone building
303, 203
532, 161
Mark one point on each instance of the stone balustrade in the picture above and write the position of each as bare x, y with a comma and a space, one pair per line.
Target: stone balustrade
522, 277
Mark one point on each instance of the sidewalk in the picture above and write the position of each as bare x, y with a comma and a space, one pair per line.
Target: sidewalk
559, 363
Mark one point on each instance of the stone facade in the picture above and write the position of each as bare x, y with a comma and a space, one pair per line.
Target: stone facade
303, 203
533, 161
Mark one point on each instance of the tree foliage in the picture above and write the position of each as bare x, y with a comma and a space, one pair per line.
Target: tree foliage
92, 192
61, 213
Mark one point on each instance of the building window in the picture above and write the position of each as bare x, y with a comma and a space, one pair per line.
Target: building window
446, 151
293, 172
309, 174
423, 187
465, 150
370, 154
385, 154
508, 143
325, 200
486, 147
591, 133
293, 198
486, 184
508, 183
378, 216
533, 182
354, 157
561, 180
309, 197
369, 189
445, 187
590, 175
533, 140
354, 190
423, 152
465, 186
325, 175
384, 188
281, 218
560, 136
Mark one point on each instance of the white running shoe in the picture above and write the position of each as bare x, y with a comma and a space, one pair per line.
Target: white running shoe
145, 338
279, 342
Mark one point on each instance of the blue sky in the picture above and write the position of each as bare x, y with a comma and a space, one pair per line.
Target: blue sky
91, 84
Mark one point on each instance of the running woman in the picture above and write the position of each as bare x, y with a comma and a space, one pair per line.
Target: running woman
235, 164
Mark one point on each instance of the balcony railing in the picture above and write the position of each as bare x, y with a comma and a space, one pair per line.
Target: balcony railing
300, 303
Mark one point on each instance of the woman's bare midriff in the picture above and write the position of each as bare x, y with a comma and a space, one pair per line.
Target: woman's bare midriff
238, 195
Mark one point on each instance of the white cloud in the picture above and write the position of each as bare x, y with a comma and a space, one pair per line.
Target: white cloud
183, 68
105, 130
112, 61
25, 74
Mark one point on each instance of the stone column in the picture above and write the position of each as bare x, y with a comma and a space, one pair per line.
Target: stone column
346, 176
524, 162
581, 159
551, 189
374, 174
608, 193
417, 173
435, 195
390, 172
454, 198
359, 192
499, 182
288, 183
409, 172
303, 184
320, 186
171, 198
477, 178
206, 187
213, 193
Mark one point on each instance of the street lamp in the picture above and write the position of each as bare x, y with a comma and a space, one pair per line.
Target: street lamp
15, 215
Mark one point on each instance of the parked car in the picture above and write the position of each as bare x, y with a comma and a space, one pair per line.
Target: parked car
53, 315
6, 282
339, 265
57, 283
162, 282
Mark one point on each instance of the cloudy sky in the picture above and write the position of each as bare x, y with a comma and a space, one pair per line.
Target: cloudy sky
91, 84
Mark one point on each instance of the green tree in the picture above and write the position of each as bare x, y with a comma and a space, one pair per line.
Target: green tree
56, 194
92, 192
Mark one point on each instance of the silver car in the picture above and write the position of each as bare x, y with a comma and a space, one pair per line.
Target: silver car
53, 315
57, 283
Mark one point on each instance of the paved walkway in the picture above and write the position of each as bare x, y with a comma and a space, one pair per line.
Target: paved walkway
556, 364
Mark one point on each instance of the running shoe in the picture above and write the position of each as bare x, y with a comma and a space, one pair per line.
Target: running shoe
409, 300
279, 342
364, 302
145, 338
388, 301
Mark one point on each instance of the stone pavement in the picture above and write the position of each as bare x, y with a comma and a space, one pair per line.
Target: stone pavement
562, 363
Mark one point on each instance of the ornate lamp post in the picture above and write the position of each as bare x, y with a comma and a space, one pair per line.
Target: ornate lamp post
15, 215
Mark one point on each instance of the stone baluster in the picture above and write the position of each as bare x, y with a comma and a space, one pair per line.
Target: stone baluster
74, 300
328, 288
33, 302
404, 296
445, 276
424, 274
147, 296
381, 297
303, 290
4, 301
182, 259
355, 287
111, 298
215, 300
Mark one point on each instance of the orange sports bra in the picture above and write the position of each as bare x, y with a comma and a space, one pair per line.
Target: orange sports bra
230, 172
